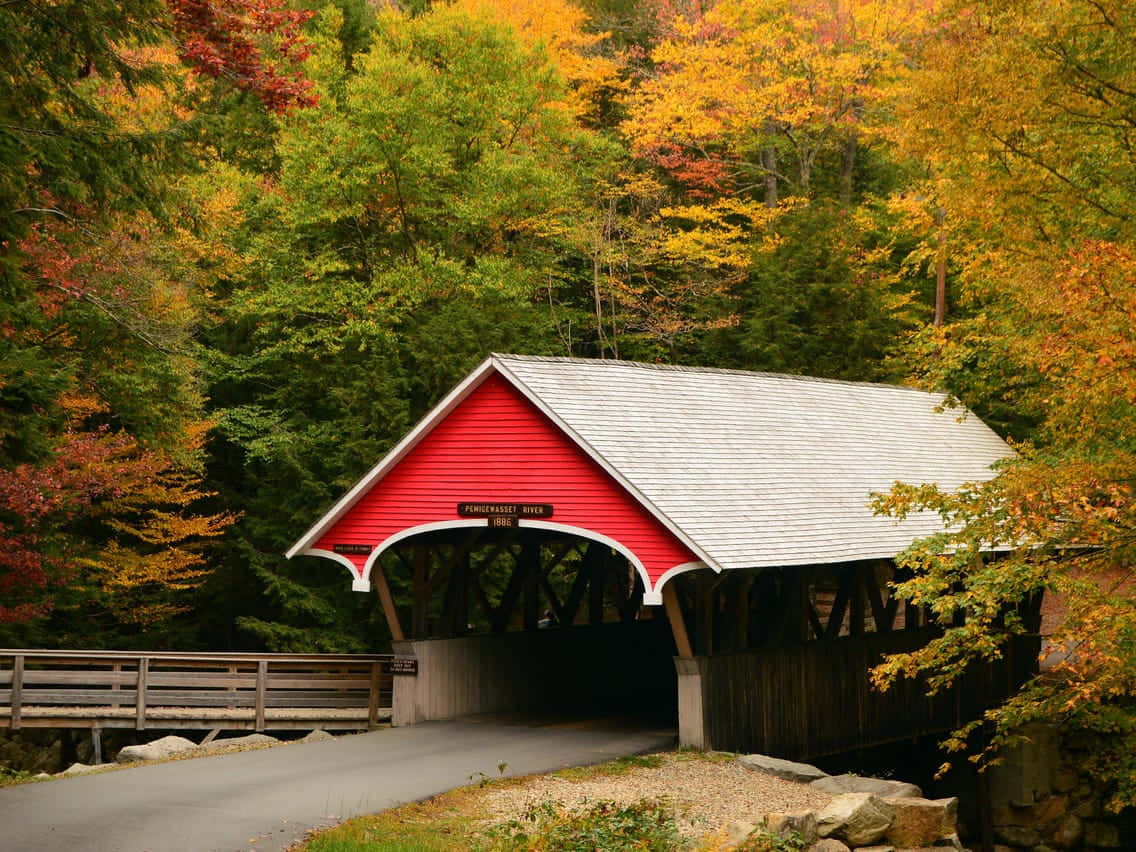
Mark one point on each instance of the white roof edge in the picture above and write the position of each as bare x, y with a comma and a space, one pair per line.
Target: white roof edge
425, 425
593, 454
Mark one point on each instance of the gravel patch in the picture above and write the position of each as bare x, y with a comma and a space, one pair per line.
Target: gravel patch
705, 793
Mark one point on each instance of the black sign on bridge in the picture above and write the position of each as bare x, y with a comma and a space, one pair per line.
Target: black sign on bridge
504, 514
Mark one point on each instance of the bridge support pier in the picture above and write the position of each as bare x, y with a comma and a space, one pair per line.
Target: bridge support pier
97, 744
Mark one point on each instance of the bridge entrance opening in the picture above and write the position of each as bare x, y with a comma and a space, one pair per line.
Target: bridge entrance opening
522, 620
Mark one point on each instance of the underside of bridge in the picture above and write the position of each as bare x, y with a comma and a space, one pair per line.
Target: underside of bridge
773, 660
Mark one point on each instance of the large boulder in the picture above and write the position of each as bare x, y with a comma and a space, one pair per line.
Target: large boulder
787, 769
921, 822
848, 783
858, 819
784, 824
156, 750
829, 844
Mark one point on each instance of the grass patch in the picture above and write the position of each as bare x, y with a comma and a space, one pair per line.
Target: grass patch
450, 822
612, 769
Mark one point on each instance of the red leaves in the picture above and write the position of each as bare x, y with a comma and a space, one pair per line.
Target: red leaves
225, 38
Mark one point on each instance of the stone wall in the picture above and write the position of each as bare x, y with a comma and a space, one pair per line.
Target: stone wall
1042, 801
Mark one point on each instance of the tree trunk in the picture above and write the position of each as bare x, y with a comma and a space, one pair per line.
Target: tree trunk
769, 165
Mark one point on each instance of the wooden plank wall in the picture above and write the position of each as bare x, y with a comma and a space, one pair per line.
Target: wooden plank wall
806, 701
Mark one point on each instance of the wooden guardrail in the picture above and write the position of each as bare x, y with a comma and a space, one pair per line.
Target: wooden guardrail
202, 690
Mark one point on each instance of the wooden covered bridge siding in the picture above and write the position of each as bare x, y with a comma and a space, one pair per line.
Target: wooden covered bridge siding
778, 662
204, 691
775, 660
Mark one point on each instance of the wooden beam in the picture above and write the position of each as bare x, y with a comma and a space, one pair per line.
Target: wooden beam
387, 600
704, 613
839, 605
261, 685
140, 703
883, 614
678, 624
580, 584
742, 587
373, 695
857, 601
17, 689
509, 598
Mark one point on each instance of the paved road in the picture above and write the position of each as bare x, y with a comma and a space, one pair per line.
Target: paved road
274, 795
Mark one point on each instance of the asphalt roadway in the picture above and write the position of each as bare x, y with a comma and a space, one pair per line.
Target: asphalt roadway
268, 799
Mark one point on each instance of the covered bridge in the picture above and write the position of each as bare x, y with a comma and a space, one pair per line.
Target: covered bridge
604, 535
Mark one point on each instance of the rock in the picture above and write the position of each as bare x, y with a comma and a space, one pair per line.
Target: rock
1017, 835
1068, 832
787, 769
41, 776
848, 783
158, 749
1088, 809
83, 768
859, 819
240, 742
1050, 809
875, 849
920, 822
829, 844
950, 841
803, 823
1102, 834
1065, 780
317, 737
736, 833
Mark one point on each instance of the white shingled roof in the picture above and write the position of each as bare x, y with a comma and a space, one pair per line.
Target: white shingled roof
758, 469
751, 470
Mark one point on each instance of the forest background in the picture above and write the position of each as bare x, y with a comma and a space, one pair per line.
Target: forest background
246, 244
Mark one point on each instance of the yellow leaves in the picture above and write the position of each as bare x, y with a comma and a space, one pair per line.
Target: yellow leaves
714, 236
559, 27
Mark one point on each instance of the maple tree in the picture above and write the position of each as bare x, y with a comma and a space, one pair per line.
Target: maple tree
1021, 113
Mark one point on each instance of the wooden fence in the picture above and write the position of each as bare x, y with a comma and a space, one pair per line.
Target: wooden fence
214, 691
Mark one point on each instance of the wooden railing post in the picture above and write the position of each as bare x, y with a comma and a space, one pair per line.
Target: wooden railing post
17, 688
143, 676
261, 685
373, 698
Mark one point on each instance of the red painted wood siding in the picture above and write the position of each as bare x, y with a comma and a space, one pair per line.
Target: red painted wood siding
496, 446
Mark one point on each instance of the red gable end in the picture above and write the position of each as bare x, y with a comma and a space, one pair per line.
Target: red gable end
497, 447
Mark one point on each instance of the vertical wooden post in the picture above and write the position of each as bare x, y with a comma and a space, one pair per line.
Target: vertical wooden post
387, 600
856, 613
704, 613
140, 703
97, 744
373, 697
261, 686
741, 612
530, 560
678, 625
17, 689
